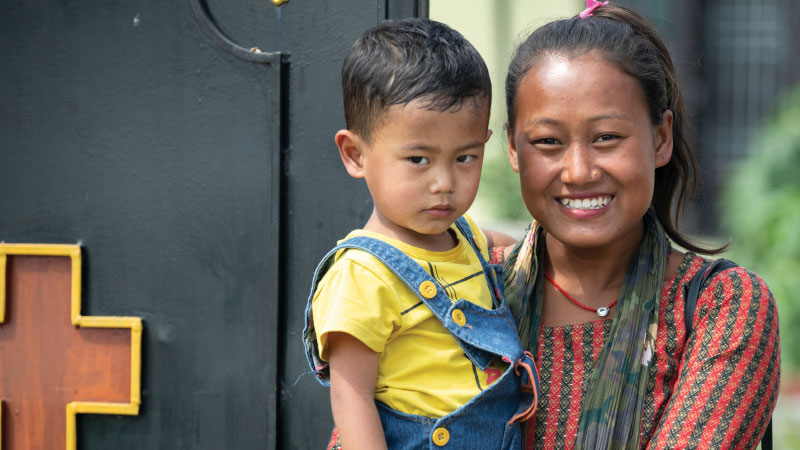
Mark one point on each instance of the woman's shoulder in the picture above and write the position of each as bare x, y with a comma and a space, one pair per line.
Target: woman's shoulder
722, 287
691, 265
681, 268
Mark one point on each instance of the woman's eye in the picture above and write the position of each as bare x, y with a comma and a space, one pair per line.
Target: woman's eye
545, 141
418, 159
465, 158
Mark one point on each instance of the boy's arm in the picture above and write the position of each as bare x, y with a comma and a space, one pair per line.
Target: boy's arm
353, 374
498, 239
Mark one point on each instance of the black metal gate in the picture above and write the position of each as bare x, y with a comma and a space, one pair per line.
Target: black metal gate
187, 146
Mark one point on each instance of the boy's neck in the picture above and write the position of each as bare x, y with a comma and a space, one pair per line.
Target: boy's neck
439, 242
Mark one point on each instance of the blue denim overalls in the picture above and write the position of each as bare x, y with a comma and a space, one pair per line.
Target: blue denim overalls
491, 419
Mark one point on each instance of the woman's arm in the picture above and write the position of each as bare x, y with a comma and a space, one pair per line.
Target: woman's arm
354, 371
728, 376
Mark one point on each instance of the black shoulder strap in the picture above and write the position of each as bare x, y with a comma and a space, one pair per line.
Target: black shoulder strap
766, 440
707, 272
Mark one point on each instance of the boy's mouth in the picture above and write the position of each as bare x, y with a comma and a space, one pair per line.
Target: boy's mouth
585, 203
440, 210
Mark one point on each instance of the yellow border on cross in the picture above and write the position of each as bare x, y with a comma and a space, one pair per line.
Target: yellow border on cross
134, 323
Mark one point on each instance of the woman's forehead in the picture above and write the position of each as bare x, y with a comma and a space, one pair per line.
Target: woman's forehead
586, 84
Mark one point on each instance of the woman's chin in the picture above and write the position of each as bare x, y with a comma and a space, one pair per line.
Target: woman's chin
595, 234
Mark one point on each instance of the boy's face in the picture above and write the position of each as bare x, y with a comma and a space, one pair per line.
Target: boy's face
423, 168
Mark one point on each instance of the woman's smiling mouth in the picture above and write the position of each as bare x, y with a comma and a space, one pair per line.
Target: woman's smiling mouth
585, 203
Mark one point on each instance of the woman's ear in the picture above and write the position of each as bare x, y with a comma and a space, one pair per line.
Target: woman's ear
351, 149
512, 150
663, 140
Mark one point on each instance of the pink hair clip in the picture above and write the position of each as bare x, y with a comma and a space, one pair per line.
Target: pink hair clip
591, 5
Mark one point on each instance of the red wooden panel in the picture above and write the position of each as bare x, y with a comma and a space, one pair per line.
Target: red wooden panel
46, 362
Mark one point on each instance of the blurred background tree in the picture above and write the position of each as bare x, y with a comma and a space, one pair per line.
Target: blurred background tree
761, 210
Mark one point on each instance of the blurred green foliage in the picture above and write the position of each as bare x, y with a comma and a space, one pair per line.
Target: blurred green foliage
761, 208
500, 193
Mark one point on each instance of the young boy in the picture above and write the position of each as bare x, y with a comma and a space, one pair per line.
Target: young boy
421, 348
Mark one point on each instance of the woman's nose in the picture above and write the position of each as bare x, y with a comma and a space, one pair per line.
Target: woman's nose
578, 166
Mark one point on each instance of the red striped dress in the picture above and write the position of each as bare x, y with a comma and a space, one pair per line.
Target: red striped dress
714, 390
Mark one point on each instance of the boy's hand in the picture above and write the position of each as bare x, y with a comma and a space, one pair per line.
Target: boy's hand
354, 372
498, 239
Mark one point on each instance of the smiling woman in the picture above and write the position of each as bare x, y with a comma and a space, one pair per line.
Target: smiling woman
586, 156
596, 131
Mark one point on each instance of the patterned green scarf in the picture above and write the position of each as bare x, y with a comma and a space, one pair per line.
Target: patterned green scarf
611, 412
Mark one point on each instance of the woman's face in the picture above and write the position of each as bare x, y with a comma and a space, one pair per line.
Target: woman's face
586, 150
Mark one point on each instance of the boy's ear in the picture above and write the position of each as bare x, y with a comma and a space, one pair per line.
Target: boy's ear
351, 149
663, 140
512, 151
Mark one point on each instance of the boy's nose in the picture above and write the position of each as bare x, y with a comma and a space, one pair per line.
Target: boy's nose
443, 181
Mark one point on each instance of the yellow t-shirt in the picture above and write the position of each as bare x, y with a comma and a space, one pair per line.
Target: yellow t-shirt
421, 368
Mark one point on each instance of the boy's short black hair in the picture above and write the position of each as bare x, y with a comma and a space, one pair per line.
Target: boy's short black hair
400, 61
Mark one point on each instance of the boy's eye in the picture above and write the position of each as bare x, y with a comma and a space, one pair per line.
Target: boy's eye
606, 137
466, 158
418, 159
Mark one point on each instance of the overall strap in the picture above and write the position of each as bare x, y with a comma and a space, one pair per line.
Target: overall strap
492, 272
463, 227
416, 278
418, 281
399, 263
413, 275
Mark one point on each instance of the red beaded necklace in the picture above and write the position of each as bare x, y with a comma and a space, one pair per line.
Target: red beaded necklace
602, 312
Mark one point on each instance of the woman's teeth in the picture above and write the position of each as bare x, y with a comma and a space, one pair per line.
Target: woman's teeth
586, 203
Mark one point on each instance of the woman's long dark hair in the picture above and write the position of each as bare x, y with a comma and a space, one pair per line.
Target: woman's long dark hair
630, 41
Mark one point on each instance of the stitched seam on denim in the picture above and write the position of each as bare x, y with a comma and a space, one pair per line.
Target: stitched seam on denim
482, 314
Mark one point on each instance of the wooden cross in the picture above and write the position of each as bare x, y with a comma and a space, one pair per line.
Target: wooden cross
55, 363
